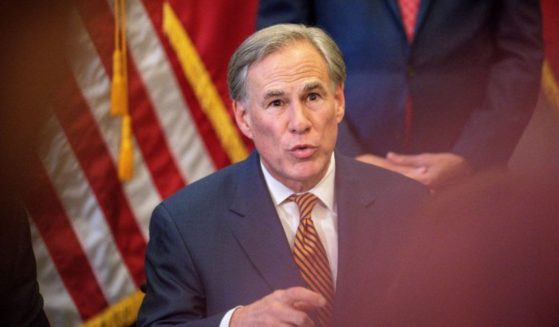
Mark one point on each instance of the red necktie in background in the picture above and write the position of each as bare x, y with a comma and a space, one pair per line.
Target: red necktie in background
408, 10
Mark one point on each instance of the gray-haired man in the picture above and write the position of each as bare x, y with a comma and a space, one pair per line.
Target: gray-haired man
286, 237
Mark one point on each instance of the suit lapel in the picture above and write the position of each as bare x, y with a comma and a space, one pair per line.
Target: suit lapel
423, 9
257, 228
355, 211
395, 11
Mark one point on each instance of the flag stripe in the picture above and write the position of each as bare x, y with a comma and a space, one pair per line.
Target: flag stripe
76, 120
214, 55
155, 11
185, 142
61, 241
95, 87
153, 145
83, 211
98, 19
203, 86
217, 26
58, 305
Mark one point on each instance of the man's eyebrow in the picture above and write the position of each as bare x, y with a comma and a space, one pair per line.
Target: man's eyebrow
313, 86
273, 94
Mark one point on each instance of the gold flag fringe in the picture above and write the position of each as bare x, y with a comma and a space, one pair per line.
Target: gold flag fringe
123, 313
119, 93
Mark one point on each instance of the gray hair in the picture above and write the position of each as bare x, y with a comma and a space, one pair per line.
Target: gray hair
274, 38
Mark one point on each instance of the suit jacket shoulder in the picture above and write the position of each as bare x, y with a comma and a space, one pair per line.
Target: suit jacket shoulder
214, 190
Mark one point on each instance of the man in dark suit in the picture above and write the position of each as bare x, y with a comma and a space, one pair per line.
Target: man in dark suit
229, 250
447, 93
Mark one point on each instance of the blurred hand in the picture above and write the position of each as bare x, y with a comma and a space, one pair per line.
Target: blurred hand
386, 164
435, 170
289, 307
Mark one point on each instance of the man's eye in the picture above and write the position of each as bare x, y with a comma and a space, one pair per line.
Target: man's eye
275, 103
313, 96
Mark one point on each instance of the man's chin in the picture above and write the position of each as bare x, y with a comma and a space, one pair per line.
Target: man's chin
308, 173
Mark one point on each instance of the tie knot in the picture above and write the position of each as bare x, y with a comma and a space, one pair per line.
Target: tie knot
305, 202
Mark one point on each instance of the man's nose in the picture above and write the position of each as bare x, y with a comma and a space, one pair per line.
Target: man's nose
299, 121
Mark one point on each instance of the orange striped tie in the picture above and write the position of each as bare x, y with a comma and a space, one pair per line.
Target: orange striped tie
311, 258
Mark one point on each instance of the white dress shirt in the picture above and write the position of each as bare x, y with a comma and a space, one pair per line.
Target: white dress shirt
324, 216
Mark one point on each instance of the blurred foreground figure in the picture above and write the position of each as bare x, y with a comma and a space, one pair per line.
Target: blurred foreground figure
31, 34
483, 254
21, 304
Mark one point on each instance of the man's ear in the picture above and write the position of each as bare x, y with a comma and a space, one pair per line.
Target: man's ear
242, 118
340, 102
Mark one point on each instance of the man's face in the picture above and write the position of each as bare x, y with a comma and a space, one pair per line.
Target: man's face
292, 113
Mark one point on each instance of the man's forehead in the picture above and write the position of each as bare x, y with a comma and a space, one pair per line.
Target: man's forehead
290, 53
295, 44
297, 67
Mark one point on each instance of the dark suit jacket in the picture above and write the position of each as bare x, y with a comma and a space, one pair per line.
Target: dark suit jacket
473, 72
219, 243
21, 303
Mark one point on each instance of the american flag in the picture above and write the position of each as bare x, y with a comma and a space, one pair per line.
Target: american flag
89, 228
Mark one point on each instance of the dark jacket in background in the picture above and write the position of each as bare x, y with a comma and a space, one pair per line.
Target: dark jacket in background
473, 72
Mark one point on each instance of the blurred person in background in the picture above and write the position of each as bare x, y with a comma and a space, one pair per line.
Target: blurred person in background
436, 90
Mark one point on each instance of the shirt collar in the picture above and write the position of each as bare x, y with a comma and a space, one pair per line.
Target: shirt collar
324, 190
